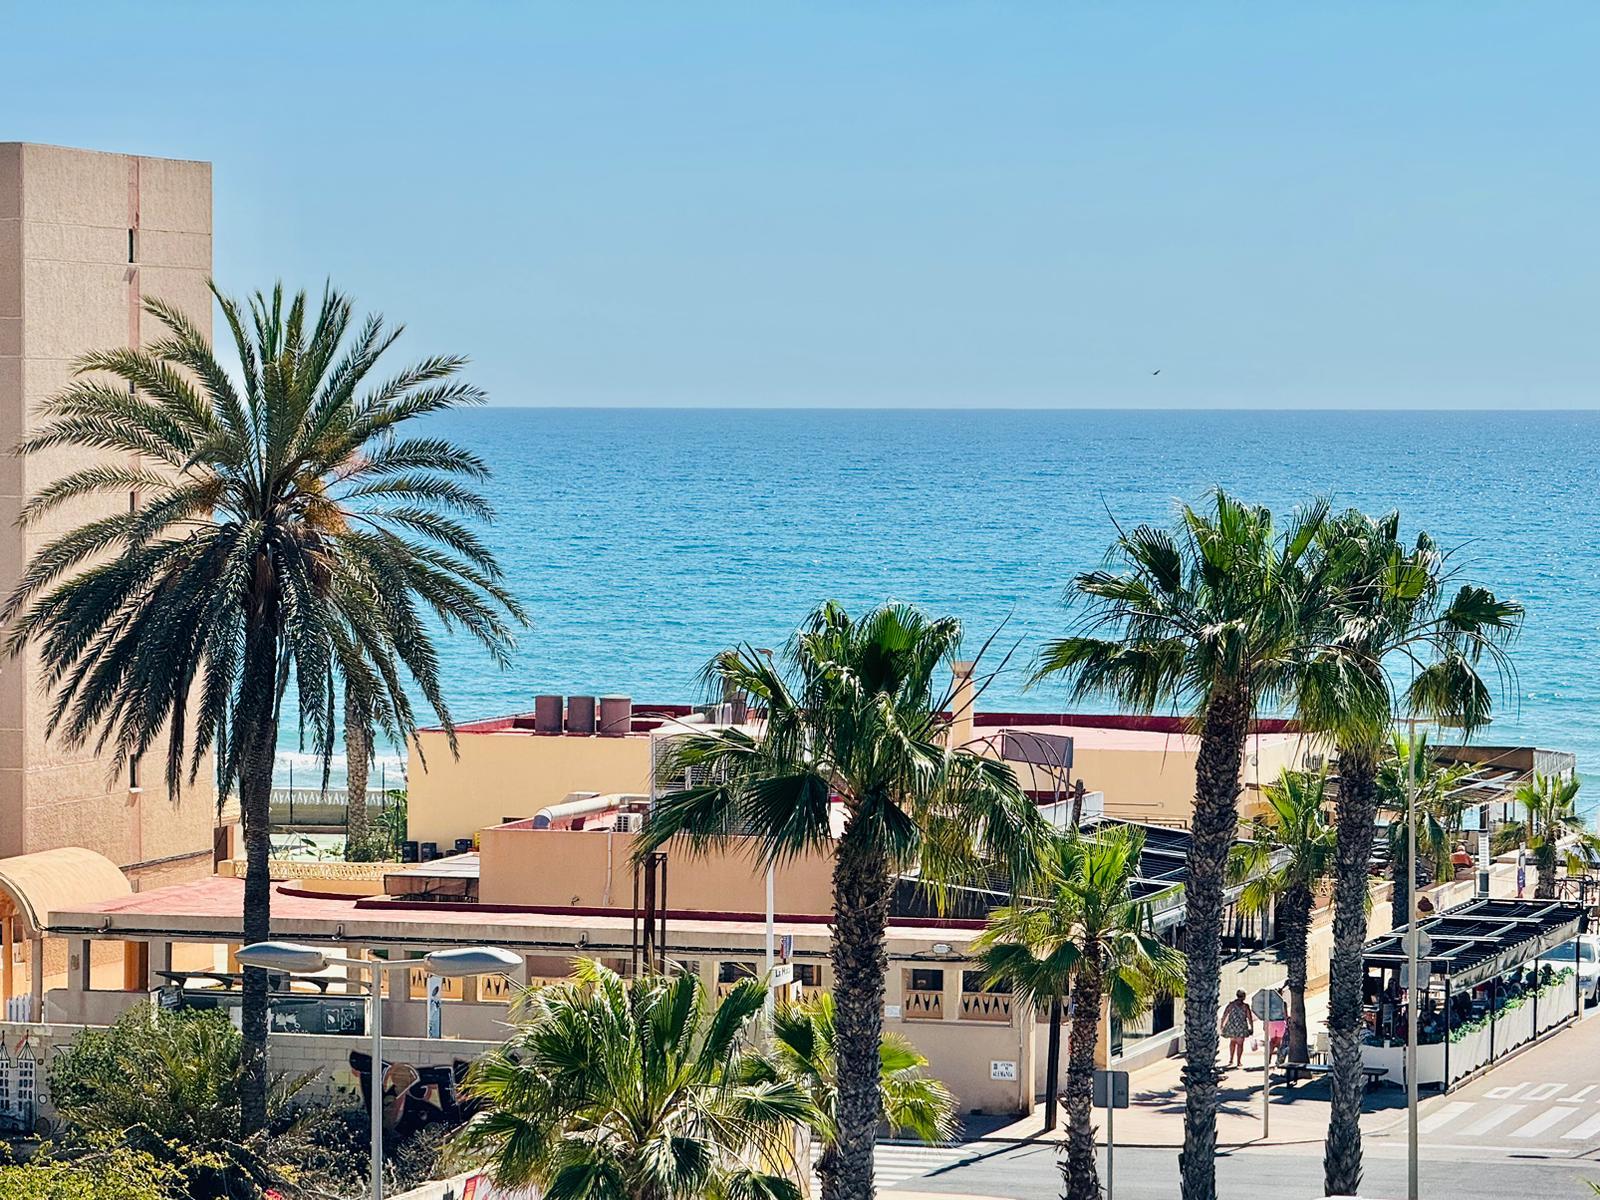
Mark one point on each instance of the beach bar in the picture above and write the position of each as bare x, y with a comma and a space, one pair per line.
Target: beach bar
1493, 979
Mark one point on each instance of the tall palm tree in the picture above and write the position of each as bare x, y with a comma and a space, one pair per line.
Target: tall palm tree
1400, 643
856, 716
1411, 769
611, 1091
358, 758
1287, 860
803, 1049
284, 530
1086, 925
1550, 816
1212, 619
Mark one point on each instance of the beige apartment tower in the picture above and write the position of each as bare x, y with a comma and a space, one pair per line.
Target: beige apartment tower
84, 236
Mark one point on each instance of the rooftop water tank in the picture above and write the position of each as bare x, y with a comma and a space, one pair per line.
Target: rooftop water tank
580, 714
547, 714
616, 715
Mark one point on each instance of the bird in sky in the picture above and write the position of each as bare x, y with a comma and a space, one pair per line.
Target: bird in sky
1157, 371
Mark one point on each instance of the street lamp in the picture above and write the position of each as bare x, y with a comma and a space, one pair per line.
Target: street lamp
291, 958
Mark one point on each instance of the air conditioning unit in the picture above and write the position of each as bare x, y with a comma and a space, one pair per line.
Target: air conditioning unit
628, 822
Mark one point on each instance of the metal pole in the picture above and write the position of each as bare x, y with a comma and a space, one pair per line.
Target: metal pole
1266, 1068
767, 1005
1111, 1135
377, 1084
1413, 992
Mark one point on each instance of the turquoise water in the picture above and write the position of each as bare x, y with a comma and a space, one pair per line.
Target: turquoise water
642, 541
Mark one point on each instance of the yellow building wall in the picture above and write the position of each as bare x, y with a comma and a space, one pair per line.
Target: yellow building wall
512, 774
586, 869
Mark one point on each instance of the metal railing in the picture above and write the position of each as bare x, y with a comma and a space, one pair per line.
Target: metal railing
314, 808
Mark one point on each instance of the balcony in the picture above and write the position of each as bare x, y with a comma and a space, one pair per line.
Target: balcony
922, 1005
991, 1007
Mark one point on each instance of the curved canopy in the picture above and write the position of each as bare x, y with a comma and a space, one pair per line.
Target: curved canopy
59, 880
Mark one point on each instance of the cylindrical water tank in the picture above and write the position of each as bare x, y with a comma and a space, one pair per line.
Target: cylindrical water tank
547, 714
616, 715
580, 714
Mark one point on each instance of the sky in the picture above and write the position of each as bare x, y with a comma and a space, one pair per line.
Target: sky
889, 204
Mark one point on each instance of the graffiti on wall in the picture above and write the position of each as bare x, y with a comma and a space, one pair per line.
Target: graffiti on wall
414, 1095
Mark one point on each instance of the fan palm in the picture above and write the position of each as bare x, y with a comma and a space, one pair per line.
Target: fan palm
1085, 926
1412, 769
613, 1091
283, 532
1215, 618
1287, 860
1400, 642
854, 715
803, 1049
1550, 816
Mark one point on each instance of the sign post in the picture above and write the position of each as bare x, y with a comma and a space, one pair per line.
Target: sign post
1110, 1093
1268, 1007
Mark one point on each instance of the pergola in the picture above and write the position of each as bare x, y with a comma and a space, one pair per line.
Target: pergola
1481, 939
34, 885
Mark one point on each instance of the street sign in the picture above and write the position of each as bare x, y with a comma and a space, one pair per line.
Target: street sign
785, 947
1269, 1006
1424, 975
1424, 942
999, 1069
782, 975
1117, 1081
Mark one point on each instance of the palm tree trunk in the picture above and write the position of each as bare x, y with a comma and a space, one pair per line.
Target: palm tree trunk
1295, 916
1544, 859
1079, 1170
357, 752
1357, 816
1402, 877
827, 1170
860, 960
1216, 823
1052, 1066
256, 735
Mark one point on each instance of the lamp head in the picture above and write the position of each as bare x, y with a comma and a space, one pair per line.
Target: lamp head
472, 960
290, 958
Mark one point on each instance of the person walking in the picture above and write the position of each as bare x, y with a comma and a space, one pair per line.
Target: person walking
1238, 1022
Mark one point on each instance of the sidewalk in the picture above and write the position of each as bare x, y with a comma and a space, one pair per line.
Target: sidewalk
1154, 1116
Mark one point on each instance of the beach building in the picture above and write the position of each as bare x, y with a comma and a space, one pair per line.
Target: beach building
84, 237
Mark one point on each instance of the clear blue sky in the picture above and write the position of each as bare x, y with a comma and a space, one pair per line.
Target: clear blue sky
981, 204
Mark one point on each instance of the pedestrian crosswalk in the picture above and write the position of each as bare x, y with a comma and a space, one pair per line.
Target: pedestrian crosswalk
1524, 1111
893, 1164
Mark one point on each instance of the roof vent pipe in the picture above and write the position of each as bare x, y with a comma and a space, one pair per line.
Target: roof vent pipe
580, 714
547, 714
616, 715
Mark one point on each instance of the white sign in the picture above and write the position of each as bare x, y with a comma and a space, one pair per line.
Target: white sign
1002, 1070
1424, 973
891, 1012
782, 975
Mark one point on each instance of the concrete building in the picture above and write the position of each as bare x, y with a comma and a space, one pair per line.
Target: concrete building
84, 237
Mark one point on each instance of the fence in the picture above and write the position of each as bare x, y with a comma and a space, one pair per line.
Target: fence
315, 808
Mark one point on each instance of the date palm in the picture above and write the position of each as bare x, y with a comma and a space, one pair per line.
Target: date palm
1550, 816
615, 1091
275, 534
1411, 769
1085, 926
1216, 619
803, 1049
855, 715
1288, 859
1401, 642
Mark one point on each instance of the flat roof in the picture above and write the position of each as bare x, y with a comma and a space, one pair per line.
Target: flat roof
1483, 938
1098, 737
211, 910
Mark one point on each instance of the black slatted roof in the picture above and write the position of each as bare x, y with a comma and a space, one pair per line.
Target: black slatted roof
1482, 938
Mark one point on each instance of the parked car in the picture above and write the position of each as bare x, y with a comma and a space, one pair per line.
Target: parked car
1588, 951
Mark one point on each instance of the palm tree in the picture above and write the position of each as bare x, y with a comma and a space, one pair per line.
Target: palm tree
803, 1049
1400, 642
1550, 816
1412, 769
1287, 860
1087, 927
1213, 619
855, 717
283, 530
614, 1091
358, 758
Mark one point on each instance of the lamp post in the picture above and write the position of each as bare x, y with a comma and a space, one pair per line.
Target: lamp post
291, 958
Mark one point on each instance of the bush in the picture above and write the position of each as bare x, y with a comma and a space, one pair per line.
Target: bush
106, 1173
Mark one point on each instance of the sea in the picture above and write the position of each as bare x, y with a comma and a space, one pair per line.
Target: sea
641, 541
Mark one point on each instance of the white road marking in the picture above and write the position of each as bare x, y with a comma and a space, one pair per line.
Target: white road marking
1544, 1091
1581, 1093
1550, 1116
1443, 1116
1504, 1093
1498, 1116
1589, 1129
